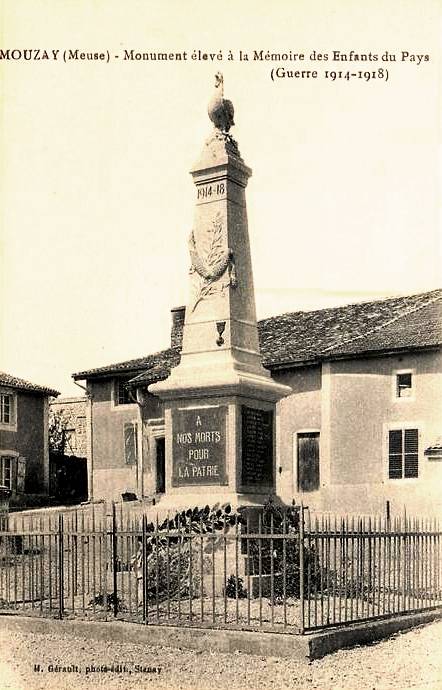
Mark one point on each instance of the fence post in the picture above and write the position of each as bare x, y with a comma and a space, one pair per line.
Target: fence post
405, 567
75, 554
5, 495
104, 554
301, 567
60, 567
144, 569
114, 559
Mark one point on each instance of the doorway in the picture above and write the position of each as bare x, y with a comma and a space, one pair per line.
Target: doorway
160, 466
308, 461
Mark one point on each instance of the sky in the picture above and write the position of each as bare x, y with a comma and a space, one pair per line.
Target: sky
97, 202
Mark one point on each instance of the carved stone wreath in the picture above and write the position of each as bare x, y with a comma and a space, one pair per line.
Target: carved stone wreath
217, 263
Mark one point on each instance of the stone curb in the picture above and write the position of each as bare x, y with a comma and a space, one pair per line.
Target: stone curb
369, 631
301, 647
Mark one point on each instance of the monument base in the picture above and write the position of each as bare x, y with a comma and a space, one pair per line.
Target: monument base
176, 502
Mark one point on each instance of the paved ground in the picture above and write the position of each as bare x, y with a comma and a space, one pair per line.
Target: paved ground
408, 660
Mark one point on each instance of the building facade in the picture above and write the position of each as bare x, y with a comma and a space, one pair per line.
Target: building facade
71, 413
24, 452
356, 434
359, 432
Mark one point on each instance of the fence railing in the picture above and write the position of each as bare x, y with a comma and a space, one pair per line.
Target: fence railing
369, 568
264, 570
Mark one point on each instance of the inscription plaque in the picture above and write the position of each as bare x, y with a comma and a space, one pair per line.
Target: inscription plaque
210, 191
257, 446
199, 446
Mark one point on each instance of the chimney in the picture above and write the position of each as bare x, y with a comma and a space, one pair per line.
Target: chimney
176, 333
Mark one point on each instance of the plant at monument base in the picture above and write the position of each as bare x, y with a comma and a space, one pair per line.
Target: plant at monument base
99, 600
174, 559
284, 553
235, 588
170, 561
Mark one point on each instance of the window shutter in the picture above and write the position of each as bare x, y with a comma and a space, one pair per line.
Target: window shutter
395, 454
21, 474
411, 453
130, 443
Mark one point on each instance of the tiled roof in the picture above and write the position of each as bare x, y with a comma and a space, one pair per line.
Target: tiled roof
420, 328
297, 338
165, 358
390, 324
21, 384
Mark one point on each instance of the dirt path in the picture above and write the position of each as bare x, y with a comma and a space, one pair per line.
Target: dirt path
409, 660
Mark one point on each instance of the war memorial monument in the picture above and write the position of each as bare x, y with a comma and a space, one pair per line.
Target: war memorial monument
219, 402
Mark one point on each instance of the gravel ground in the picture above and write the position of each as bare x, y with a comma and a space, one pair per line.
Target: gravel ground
407, 660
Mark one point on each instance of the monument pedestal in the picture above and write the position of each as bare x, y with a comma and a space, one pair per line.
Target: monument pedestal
219, 402
220, 443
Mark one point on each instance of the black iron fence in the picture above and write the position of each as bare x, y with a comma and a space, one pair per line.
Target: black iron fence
266, 570
367, 568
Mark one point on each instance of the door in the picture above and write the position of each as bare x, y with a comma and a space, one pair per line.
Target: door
161, 465
308, 461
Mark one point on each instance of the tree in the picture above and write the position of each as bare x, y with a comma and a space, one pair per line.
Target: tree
57, 433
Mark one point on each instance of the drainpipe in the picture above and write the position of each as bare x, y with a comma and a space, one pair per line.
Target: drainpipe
139, 398
90, 478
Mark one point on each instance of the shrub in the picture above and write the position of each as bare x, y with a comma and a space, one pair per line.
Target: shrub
281, 519
98, 600
234, 587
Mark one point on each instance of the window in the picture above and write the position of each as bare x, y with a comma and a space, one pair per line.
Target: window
130, 443
403, 454
122, 395
6, 470
7, 409
404, 384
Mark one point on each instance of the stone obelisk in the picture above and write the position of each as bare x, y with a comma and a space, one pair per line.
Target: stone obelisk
220, 401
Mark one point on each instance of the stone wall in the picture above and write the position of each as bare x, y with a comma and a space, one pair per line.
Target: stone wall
72, 412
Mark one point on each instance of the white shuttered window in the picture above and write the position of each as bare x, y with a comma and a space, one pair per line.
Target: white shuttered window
403, 453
